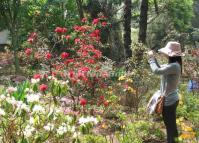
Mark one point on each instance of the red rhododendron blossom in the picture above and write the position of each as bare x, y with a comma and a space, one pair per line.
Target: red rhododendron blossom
32, 37
102, 98
28, 52
60, 30
68, 37
77, 40
76, 27
71, 74
103, 17
106, 103
95, 33
83, 101
64, 55
43, 87
104, 24
90, 61
48, 56
66, 62
95, 21
37, 76
30, 40
84, 19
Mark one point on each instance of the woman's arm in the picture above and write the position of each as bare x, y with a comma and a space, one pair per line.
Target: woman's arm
155, 67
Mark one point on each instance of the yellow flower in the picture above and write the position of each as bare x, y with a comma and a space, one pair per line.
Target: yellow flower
122, 78
129, 80
187, 128
130, 89
189, 135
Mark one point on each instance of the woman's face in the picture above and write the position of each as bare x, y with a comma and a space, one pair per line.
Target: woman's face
163, 57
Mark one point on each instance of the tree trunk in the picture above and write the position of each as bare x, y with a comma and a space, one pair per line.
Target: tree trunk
80, 9
143, 21
156, 6
127, 28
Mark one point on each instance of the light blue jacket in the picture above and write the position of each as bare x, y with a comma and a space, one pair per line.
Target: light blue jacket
170, 77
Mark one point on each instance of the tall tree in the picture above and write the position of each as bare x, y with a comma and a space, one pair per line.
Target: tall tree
143, 21
10, 13
80, 8
127, 28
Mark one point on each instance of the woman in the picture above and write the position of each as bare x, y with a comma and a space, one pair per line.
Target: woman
169, 82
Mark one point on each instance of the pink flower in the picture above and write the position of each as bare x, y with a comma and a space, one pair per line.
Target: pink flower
71, 74
60, 30
32, 37
37, 76
48, 56
95, 21
43, 87
68, 37
77, 40
83, 101
64, 55
84, 20
104, 24
28, 52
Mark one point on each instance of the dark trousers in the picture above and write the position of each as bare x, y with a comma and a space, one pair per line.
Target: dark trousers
169, 117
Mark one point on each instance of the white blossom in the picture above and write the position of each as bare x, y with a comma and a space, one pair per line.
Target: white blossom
34, 81
33, 97
38, 109
2, 112
28, 131
11, 89
62, 129
2, 97
84, 120
49, 127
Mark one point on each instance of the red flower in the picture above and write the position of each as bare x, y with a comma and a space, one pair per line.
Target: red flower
95, 21
48, 56
37, 76
28, 51
68, 37
43, 87
69, 61
71, 74
32, 37
90, 61
60, 30
77, 40
83, 101
104, 24
64, 55
84, 20
30, 40
106, 103
101, 97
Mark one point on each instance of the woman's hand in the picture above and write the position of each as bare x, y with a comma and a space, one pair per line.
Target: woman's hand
150, 54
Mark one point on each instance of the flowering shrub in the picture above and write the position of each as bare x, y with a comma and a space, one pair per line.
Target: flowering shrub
79, 62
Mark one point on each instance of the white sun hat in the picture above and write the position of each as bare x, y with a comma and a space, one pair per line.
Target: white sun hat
172, 49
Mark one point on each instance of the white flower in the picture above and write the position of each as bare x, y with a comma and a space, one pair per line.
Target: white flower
2, 112
22, 106
28, 90
28, 130
38, 109
76, 134
31, 121
33, 97
49, 127
11, 100
83, 120
62, 129
11, 89
2, 97
34, 81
